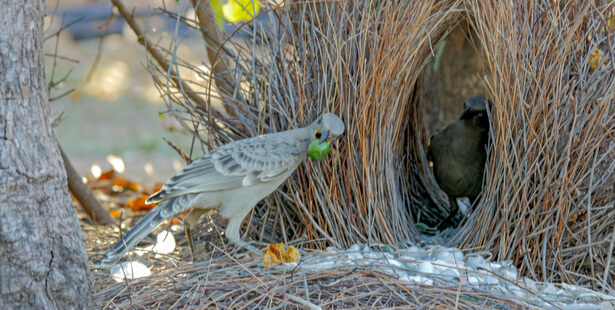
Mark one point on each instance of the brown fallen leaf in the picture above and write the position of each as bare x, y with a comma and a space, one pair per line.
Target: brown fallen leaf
276, 253
123, 184
139, 204
107, 175
115, 213
595, 59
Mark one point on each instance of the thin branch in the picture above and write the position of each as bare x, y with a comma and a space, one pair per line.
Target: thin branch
84, 195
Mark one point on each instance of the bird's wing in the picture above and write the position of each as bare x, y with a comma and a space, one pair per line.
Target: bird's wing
238, 164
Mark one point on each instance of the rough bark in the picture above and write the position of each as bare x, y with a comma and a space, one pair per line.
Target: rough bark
43, 264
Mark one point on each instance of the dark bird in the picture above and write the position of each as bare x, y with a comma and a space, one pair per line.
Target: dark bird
458, 153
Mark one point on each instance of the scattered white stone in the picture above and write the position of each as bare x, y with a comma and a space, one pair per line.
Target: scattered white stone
354, 255
332, 249
548, 289
517, 291
420, 280
473, 280
129, 271
449, 274
476, 261
412, 252
464, 205
377, 255
425, 268
528, 284
489, 281
441, 265
510, 275
444, 255
450, 267
165, 243
355, 248
600, 306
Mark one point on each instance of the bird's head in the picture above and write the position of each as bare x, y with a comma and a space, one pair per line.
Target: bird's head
476, 107
327, 128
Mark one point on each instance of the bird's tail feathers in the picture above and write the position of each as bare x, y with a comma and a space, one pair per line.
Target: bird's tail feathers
151, 220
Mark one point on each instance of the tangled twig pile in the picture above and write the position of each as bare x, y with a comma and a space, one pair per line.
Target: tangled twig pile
550, 185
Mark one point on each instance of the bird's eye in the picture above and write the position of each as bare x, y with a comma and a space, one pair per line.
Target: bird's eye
318, 134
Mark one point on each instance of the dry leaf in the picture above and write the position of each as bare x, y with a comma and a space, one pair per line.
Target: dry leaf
139, 204
276, 253
115, 213
158, 187
595, 59
125, 184
107, 175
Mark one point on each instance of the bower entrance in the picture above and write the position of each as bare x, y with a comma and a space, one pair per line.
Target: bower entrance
455, 73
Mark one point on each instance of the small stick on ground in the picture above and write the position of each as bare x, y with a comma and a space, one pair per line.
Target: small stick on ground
84, 195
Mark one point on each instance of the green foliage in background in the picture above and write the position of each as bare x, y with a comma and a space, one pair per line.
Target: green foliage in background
234, 11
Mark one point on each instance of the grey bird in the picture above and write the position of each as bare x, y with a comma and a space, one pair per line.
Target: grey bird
233, 178
458, 154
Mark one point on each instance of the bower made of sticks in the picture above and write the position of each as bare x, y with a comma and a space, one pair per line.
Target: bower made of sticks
547, 201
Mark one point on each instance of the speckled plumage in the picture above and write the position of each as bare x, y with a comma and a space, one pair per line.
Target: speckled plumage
233, 178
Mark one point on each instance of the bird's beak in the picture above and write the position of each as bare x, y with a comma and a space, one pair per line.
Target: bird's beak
324, 136
465, 114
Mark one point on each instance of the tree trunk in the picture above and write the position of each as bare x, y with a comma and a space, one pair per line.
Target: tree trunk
43, 264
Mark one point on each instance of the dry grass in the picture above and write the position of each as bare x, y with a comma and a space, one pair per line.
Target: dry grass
548, 195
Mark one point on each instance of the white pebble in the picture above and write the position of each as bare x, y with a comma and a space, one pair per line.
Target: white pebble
509, 275
548, 289
451, 255
165, 243
561, 292
473, 280
601, 306
450, 273
355, 248
129, 271
332, 249
412, 252
476, 262
528, 284
489, 281
517, 291
442, 265
426, 268
354, 255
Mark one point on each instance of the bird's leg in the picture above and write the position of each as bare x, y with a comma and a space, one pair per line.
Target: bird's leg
232, 234
190, 221
449, 220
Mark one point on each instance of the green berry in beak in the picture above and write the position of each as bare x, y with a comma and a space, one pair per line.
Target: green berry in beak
319, 150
